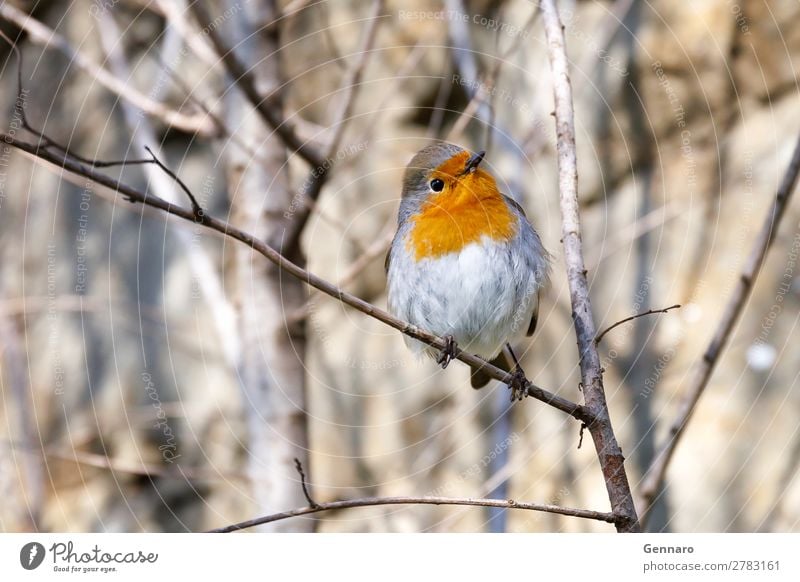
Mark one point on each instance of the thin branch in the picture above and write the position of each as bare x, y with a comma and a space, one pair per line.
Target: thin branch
299, 466
246, 82
159, 176
196, 208
654, 478
175, 14
224, 130
136, 196
480, 105
608, 450
599, 337
46, 141
48, 38
377, 249
606, 31
622, 238
142, 469
376, 501
319, 174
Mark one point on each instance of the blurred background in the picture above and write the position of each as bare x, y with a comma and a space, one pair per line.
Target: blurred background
158, 377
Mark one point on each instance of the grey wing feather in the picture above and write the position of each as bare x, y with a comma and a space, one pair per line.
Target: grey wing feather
534, 315
515, 204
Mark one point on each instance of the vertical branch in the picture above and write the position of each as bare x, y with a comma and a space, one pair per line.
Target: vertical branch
319, 174
143, 135
654, 479
14, 365
605, 442
272, 365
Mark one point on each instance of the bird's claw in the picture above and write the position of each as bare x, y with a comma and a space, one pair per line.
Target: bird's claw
519, 384
448, 352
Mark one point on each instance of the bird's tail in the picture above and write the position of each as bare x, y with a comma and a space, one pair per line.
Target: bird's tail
480, 378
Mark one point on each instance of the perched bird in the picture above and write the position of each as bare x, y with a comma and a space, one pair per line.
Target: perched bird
465, 263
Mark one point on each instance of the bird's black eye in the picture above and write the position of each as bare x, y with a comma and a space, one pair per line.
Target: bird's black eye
437, 185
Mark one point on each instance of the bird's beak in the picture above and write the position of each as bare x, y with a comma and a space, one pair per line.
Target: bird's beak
474, 162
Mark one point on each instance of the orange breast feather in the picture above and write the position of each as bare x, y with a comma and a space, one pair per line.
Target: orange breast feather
469, 208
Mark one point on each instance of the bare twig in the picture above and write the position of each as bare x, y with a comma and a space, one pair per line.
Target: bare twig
654, 478
136, 196
376, 501
47, 142
608, 450
299, 466
622, 238
606, 31
600, 335
246, 82
480, 105
140, 468
222, 126
580, 435
175, 14
161, 180
47, 37
19, 403
196, 208
319, 174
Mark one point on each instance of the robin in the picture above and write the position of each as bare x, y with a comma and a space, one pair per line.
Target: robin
465, 264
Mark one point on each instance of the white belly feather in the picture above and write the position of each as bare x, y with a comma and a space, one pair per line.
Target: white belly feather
480, 295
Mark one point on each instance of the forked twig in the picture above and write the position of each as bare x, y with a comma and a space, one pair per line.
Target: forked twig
653, 480
631, 318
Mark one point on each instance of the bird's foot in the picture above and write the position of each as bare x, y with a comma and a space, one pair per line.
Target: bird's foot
519, 384
448, 352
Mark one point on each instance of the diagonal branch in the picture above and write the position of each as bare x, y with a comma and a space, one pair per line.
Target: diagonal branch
375, 501
48, 38
654, 478
246, 82
131, 194
318, 175
605, 442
